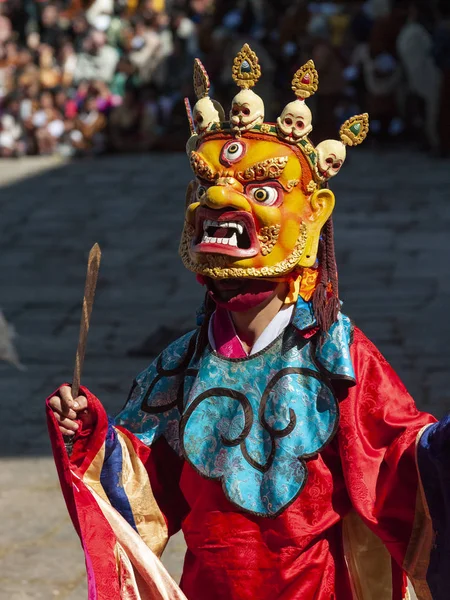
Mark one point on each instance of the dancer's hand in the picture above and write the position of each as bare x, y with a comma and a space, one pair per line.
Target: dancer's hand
68, 410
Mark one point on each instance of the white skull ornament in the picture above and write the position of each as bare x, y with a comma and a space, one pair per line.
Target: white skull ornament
247, 111
205, 114
295, 122
330, 158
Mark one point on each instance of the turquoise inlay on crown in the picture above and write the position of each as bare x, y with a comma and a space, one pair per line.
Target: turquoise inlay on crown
246, 67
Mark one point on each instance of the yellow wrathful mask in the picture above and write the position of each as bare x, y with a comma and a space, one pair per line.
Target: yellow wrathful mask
260, 198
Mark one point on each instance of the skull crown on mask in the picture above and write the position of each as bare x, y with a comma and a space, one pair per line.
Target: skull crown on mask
295, 122
205, 114
330, 157
247, 111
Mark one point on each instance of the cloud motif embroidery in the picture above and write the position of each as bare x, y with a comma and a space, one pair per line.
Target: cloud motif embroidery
252, 431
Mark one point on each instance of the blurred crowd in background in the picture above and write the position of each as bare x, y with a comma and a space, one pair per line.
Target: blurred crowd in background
82, 77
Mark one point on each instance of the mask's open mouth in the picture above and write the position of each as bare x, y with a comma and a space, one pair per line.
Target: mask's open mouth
231, 232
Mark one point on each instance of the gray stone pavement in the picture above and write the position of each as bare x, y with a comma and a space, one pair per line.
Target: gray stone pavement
392, 230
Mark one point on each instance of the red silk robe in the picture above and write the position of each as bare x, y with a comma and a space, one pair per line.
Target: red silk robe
357, 529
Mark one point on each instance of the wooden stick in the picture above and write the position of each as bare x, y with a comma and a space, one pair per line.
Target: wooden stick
93, 267
88, 301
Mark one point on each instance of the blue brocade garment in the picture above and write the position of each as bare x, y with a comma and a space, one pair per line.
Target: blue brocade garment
248, 422
433, 457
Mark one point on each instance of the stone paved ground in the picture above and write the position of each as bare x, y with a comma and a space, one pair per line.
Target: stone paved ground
392, 221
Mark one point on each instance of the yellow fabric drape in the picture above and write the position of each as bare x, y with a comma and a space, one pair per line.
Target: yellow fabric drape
301, 283
368, 561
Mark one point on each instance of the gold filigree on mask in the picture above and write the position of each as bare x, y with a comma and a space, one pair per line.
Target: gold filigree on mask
225, 179
272, 168
268, 237
308, 148
291, 184
201, 168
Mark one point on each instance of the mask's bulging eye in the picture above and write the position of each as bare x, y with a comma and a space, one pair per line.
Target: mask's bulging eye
201, 192
232, 152
266, 195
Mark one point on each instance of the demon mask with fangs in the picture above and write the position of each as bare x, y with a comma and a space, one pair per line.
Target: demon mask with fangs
259, 200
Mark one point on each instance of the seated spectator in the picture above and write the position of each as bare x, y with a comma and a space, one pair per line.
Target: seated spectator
11, 132
331, 75
29, 104
119, 24
105, 99
48, 124
98, 13
5, 25
97, 60
125, 75
132, 128
146, 48
12, 53
81, 92
51, 32
414, 48
88, 133
79, 32
26, 72
49, 71
68, 60
65, 105
6, 73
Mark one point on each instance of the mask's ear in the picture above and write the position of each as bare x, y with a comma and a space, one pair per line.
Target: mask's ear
322, 205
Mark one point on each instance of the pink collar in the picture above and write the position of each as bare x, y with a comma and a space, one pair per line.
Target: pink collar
227, 341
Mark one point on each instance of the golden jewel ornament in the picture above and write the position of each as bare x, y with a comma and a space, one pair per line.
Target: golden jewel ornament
246, 70
354, 131
306, 81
